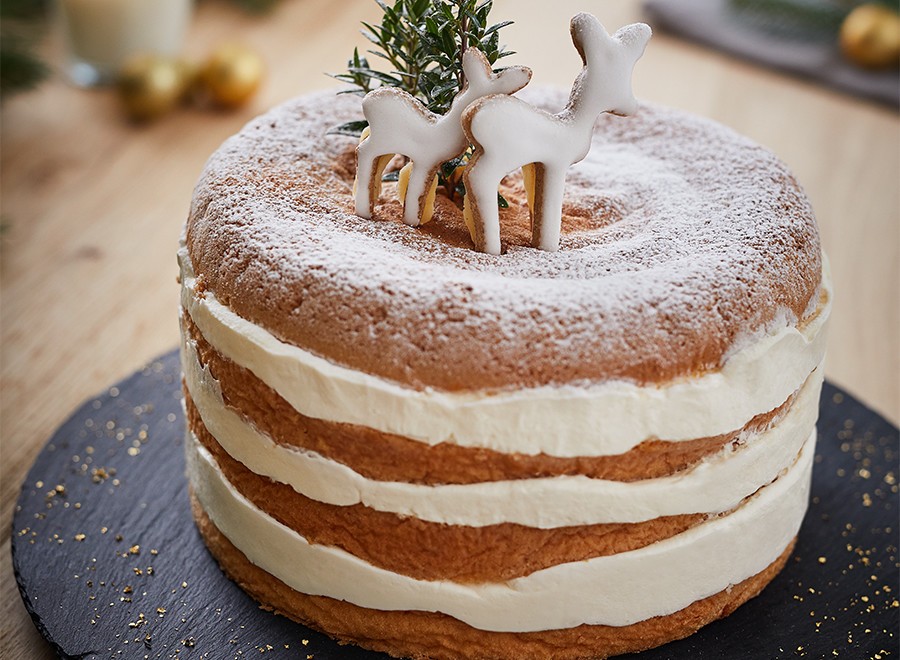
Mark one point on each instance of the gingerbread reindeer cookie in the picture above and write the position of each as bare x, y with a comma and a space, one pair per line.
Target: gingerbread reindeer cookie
509, 133
400, 124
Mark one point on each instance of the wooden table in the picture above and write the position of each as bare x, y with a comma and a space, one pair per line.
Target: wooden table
93, 206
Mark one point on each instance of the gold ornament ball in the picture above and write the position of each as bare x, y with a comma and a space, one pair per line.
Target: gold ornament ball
152, 85
870, 36
232, 74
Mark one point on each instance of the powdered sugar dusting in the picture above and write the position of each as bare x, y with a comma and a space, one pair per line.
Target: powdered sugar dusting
711, 243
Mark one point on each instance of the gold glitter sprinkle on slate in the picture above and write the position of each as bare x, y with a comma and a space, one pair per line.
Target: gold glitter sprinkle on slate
837, 596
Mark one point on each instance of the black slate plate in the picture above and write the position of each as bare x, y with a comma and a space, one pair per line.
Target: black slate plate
110, 566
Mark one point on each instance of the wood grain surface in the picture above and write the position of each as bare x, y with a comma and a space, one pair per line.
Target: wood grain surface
92, 208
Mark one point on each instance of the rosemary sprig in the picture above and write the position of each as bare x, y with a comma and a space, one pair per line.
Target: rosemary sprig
422, 43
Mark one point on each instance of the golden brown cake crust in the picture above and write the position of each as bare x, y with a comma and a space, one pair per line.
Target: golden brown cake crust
681, 240
387, 457
434, 551
424, 635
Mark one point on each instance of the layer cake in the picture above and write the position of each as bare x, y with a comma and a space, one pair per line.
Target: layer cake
439, 453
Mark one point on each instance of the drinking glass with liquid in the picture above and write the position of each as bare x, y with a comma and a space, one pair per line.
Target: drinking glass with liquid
102, 34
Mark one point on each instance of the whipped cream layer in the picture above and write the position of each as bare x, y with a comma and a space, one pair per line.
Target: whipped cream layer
717, 484
611, 590
566, 421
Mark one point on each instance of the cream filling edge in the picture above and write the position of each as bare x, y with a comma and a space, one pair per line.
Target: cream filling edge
566, 421
715, 485
615, 590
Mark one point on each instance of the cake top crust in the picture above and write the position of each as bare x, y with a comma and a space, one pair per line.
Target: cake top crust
682, 242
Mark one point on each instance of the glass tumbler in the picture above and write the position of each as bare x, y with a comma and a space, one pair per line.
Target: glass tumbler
102, 34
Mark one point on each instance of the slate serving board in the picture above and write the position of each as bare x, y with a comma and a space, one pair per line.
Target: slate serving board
109, 564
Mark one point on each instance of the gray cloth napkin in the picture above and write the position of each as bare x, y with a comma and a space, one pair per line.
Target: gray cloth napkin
711, 22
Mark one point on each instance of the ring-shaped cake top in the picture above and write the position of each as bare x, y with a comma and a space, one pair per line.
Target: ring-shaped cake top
682, 243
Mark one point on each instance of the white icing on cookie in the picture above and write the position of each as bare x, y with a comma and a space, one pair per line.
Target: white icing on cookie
400, 124
509, 133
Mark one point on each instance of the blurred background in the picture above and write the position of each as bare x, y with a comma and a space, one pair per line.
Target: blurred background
111, 107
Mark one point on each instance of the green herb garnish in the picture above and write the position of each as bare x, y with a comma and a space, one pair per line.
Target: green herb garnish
421, 43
